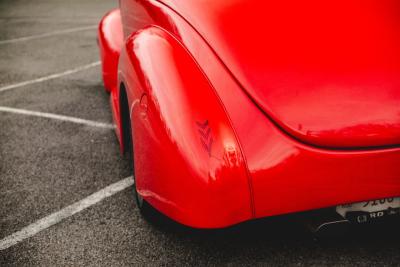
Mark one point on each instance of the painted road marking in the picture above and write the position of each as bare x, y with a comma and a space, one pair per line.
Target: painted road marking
56, 117
50, 77
49, 34
63, 214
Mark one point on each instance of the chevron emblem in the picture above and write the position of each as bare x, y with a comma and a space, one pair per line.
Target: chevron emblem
206, 138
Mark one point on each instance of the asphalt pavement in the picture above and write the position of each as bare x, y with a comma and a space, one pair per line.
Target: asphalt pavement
47, 164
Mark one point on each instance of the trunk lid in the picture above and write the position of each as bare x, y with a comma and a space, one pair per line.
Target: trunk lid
326, 72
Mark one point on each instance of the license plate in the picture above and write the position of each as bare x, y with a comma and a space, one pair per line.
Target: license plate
370, 210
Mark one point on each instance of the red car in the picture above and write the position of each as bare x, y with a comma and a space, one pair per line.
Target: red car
243, 109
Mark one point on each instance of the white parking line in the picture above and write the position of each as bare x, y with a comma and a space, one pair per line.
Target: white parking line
56, 117
50, 77
43, 35
66, 212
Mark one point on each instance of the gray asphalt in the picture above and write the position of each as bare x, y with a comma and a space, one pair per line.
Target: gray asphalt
46, 165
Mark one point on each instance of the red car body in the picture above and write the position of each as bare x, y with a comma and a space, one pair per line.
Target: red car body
243, 109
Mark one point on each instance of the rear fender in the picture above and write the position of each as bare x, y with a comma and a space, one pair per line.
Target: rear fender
110, 40
188, 163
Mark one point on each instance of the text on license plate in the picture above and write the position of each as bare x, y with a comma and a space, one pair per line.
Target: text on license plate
372, 206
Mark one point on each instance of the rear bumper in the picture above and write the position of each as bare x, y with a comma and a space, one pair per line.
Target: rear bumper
288, 176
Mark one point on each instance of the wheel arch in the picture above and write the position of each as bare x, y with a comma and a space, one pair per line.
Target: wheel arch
188, 162
126, 123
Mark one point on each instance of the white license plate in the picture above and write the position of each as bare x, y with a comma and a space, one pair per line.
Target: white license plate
369, 210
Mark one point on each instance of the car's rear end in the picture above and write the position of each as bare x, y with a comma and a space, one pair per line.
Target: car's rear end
314, 99
312, 91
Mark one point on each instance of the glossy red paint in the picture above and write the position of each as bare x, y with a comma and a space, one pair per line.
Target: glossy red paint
110, 42
179, 73
327, 72
196, 171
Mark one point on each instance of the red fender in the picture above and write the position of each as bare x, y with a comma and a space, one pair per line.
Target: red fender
188, 163
110, 40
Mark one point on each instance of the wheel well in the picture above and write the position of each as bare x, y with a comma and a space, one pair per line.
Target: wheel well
126, 134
